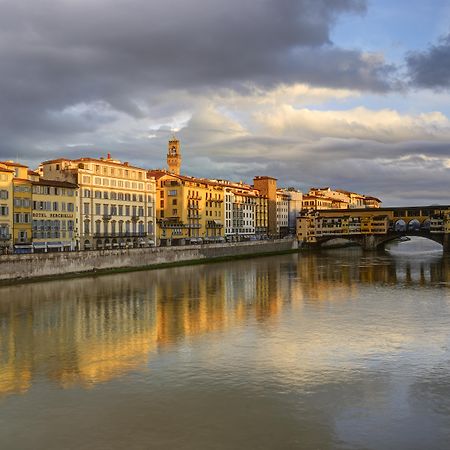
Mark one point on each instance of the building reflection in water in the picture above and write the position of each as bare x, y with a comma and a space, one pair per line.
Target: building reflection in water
87, 331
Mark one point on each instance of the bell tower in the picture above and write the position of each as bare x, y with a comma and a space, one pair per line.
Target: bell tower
174, 156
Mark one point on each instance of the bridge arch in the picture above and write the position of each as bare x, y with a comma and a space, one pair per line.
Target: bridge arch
383, 240
425, 225
400, 225
413, 225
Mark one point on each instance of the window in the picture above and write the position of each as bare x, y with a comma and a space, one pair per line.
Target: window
4, 195
86, 208
174, 201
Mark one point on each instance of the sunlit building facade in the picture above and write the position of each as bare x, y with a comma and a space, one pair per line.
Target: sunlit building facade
6, 208
116, 201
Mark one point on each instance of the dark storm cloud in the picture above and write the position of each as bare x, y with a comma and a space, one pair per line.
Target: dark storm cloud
431, 68
55, 54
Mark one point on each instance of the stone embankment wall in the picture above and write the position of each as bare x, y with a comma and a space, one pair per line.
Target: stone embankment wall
22, 267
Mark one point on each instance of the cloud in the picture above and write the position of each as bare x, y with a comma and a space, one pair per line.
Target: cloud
251, 87
431, 68
385, 125
57, 54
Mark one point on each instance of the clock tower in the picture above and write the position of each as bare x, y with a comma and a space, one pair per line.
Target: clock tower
174, 156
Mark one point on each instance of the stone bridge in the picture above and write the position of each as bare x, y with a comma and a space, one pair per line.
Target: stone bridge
377, 241
371, 228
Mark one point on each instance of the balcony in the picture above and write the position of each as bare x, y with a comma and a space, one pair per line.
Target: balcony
22, 241
194, 216
135, 218
106, 217
5, 237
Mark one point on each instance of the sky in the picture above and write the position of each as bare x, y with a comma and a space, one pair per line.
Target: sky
352, 94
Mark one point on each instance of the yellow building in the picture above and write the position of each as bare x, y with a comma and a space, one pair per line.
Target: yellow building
54, 215
116, 201
21, 208
189, 209
327, 198
312, 201
6, 208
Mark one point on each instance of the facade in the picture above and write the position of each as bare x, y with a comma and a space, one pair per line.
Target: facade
312, 227
54, 216
22, 232
282, 213
267, 187
115, 205
189, 209
316, 202
6, 208
241, 211
327, 198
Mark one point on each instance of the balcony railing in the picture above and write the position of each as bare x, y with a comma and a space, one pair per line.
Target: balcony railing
22, 241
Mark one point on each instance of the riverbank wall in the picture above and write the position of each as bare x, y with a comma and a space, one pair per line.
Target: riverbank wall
18, 268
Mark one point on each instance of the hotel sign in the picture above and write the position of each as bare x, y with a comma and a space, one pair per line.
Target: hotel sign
45, 215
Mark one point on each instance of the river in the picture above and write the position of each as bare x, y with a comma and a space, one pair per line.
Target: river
331, 350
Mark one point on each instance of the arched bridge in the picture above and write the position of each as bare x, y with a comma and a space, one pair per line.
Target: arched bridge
372, 228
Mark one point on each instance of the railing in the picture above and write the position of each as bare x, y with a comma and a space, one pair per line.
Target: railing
5, 237
22, 241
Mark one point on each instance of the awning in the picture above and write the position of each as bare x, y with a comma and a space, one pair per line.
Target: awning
54, 244
39, 244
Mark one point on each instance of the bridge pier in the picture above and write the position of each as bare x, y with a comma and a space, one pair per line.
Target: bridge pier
369, 242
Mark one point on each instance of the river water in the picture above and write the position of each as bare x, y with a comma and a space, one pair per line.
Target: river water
337, 350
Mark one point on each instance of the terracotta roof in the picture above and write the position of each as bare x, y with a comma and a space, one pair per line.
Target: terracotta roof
96, 160
4, 169
12, 163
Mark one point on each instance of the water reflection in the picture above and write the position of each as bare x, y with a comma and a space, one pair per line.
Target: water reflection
89, 330
309, 348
